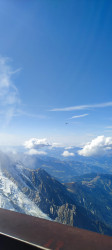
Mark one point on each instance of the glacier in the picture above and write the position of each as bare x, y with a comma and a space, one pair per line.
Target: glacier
12, 198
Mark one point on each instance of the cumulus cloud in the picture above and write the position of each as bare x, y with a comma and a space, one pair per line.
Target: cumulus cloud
78, 116
36, 152
99, 146
67, 153
82, 107
35, 143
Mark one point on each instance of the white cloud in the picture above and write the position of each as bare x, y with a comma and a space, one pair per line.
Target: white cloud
99, 146
67, 153
8, 91
9, 96
35, 143
78, 116
84, 107
36, 152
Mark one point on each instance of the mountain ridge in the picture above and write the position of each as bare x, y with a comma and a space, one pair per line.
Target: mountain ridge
52, 198
94, 192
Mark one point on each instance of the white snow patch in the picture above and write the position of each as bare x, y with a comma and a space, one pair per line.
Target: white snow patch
11, 196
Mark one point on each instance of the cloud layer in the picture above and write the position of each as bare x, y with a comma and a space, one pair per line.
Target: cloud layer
67, 153
99, 146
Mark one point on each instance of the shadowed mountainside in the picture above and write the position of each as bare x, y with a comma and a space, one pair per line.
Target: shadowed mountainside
94, 192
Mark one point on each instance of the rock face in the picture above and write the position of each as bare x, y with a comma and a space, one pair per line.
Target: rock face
94, 193
12, 198
48, 198
66, 214
46, 192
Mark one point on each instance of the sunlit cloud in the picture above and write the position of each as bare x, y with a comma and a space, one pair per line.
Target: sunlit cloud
67, 153
99, 146
35, 143
84, 107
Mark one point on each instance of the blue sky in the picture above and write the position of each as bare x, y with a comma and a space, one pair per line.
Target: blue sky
55, 55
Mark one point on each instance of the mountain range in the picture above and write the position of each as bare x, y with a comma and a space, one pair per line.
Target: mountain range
63, 170
36, 192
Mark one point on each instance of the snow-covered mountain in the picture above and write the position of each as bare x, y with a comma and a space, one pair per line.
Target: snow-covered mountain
13, 199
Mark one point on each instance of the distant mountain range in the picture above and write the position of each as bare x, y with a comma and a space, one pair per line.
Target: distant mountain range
64, 171
35, 192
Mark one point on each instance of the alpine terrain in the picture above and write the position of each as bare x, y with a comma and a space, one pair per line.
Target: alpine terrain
35, 192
